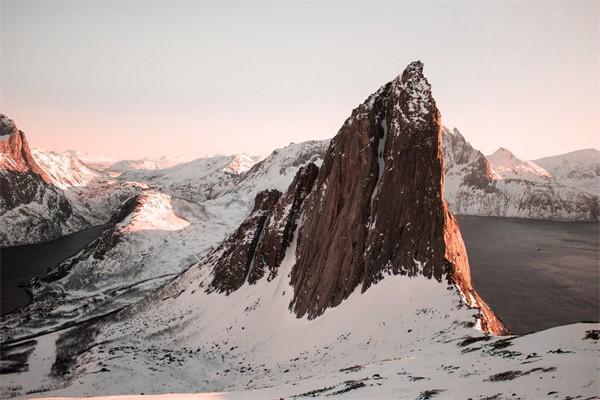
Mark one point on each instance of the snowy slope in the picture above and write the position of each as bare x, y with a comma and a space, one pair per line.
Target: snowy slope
195, 180
95, 161
250, 344
578, 169
146, 164
97, 279
65, 169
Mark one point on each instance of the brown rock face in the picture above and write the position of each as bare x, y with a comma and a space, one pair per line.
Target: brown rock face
279, 230
16, 155
258, 246
378, 205
233, 258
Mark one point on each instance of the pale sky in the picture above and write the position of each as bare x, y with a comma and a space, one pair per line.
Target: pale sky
132, 79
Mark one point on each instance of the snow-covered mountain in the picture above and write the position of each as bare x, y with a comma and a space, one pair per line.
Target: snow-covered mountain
64, 169
507, 166
195, 180
578, 169
97, 280
96, 161
146, 164
31, 207
506, 186
45, 195
342, 273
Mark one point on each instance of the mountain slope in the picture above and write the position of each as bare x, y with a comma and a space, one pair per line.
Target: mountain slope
578, 169
328, 286
32, 209
508, 166
516, 188
65, 170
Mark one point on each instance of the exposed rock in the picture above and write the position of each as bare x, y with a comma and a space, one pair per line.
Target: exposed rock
379, 207
233, 258
282, 223
15, 154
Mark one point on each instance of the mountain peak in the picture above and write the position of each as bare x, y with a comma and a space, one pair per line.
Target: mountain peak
7, 126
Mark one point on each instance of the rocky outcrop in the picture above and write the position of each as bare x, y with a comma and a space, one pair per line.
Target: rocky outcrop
258, 246
31, 208
279, 230
233, 258
15, 154
378, 205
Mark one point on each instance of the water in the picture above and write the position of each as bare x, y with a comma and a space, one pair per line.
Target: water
21, 263
535, 274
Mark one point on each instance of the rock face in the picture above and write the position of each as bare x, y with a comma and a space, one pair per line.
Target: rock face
258, 246
233, 258
14, 150
378, 207
282, 224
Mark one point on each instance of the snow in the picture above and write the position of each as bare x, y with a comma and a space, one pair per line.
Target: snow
578, 169
400, 338
65, 169
146, 164
507, 165
155, 213
513, 188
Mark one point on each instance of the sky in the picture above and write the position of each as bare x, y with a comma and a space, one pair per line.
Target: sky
133, 79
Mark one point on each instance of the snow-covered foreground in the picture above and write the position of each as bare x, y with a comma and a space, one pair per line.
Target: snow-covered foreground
555, 364
403, 338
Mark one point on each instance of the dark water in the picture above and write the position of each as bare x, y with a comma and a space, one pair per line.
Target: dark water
535, 274
21, 263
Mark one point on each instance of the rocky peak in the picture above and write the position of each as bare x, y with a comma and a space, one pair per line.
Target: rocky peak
378, 206
258, 246
279, 229
233, 258
15, 155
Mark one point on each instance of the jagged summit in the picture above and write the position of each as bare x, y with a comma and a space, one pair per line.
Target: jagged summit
15, 154
7, 126
378, 207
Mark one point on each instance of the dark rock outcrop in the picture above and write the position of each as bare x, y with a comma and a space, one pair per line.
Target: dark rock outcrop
233, 258
258, 246
279, 230
14, 150
378, 205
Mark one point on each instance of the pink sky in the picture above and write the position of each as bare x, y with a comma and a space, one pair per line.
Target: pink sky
190, 79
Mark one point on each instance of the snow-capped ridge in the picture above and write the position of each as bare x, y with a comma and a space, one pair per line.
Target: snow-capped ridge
509, 166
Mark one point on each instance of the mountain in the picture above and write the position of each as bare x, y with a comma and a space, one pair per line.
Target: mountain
145, 164
506, 186
95, 161
578, 169
330, 268
65, 170
195, 180
31, 207
96, 280
508, 166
